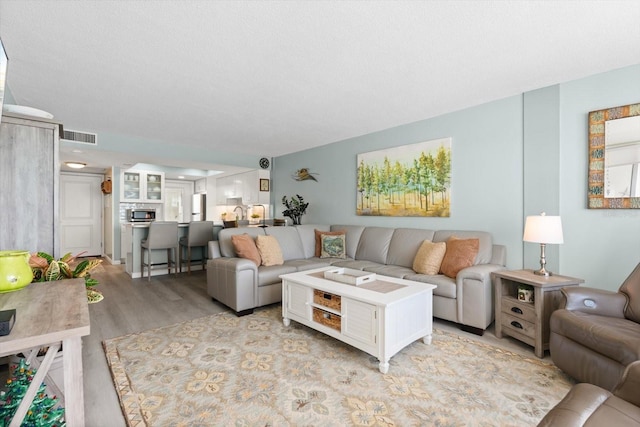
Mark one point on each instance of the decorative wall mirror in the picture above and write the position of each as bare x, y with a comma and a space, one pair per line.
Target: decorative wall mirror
614, 158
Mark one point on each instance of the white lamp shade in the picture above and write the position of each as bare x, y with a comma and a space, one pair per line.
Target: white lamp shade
543, 229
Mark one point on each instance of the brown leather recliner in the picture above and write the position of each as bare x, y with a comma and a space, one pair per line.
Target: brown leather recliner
589, 405
597, 334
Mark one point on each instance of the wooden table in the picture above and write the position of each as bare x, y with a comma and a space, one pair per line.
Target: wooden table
524, 321
380, 317
50, 314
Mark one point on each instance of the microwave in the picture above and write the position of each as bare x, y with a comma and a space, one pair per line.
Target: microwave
141, 215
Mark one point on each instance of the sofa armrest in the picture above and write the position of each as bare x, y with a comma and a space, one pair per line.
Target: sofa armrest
594, 301
499, 255
481, 272
233, 282
234, 264
214, 250
474, 295
629, 385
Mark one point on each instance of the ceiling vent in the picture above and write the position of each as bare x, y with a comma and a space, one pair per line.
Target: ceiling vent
79, 137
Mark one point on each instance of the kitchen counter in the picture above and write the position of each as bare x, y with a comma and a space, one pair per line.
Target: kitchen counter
133, 233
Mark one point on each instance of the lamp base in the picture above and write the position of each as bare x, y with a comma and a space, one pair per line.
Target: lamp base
542, 272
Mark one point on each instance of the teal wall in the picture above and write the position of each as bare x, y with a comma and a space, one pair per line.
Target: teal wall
601, 245
487, 178
511, 158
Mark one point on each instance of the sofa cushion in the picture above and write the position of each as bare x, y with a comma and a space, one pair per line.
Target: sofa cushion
309, 263
485, 250
308, 237
445, 286
405, 244
429, 257
460, 254
374, 244
353, 237
269, 250
318, 239
245, 247
289, 240
614, 337
356, 264
268, 275
390, 270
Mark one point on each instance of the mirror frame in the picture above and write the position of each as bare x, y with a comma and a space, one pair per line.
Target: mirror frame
595, 194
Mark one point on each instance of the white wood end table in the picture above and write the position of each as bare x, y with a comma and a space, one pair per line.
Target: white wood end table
380, 317
50, 314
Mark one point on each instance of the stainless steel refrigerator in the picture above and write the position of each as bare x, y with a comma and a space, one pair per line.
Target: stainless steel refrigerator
199, 207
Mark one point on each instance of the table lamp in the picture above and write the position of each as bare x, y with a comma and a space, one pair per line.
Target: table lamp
545, 230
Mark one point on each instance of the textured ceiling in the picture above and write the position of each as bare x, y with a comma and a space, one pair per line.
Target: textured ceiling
275, 77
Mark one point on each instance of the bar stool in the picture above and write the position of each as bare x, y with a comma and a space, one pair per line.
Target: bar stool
199, 235
162, 235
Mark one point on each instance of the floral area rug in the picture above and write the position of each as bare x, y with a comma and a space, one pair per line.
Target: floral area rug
254, 371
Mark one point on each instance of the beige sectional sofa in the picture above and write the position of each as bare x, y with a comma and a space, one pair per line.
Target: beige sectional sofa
466, 299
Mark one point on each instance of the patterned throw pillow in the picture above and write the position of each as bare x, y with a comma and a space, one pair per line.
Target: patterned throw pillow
319, 234
429, 257
461, 253
332, 246
245, 247
270, 250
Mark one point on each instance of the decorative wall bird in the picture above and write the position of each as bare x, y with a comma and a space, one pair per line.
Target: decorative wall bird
304, 174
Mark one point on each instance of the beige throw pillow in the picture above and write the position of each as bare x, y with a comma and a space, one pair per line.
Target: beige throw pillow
461, 253
270, 250
245, 247
429, 257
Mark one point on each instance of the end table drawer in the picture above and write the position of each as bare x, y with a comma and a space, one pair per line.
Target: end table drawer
327, 319
518, 325
327, 300
521, 310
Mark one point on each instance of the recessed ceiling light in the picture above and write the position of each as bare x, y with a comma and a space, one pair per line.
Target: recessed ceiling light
75, 165
180, 176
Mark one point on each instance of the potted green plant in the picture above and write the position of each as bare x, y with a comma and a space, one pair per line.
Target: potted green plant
46, 268
296, 207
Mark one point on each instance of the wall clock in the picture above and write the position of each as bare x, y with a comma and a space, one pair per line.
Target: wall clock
264, 163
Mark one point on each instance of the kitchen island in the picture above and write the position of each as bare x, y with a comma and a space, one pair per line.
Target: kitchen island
133, 233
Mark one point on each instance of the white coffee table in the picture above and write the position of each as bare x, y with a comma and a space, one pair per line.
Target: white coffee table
380, 317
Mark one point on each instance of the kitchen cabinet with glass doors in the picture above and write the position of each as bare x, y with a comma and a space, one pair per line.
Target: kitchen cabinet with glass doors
142, 186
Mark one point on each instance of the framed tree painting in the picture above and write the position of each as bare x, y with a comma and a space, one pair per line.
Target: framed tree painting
410, 180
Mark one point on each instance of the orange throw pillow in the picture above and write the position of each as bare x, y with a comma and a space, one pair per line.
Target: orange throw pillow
326, 233
461, 253
246, 247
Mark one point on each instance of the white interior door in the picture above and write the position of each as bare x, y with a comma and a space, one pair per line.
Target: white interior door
80, 214
177, 200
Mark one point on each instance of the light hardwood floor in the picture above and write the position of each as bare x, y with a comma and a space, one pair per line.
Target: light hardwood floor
134, 305
129, 306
